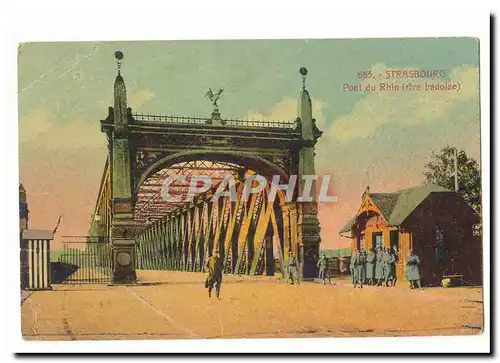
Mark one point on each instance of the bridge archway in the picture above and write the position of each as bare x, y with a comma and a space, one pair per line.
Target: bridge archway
181, 234
245, 160
142, 145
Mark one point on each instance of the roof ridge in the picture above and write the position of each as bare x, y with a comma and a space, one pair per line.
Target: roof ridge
425, 185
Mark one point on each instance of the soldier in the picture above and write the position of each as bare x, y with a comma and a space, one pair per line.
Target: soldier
392, 269
412, 272
379, 267
291, 269
322, 268
359, 261
214, 266
386, 266
363, 266
370, 266
351, 266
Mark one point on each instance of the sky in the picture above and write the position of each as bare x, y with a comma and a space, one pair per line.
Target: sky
378, 138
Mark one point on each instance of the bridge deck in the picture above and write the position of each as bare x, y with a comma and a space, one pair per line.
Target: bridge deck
175, 305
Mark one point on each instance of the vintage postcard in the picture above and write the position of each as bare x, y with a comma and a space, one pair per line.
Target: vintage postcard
250, 189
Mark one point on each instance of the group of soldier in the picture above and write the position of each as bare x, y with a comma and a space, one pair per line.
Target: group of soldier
375, 268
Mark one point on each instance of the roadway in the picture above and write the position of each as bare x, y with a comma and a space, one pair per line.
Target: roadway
168, 304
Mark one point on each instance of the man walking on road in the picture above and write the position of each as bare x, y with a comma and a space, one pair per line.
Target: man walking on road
322, 268
291, 269
214, 266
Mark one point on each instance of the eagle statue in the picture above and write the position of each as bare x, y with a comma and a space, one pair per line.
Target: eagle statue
214, 97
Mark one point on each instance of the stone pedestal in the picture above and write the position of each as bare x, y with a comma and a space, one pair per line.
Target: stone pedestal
124, 257
309, 231
216, 119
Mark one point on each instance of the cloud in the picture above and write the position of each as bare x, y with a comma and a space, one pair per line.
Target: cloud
380, 108
42, 129
288, 109
139, 98
34, 124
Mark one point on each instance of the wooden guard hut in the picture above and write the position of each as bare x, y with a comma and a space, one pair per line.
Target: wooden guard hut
34, 250
35, 259
433, 221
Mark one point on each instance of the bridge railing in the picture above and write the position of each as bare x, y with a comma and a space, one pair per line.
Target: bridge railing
146, 117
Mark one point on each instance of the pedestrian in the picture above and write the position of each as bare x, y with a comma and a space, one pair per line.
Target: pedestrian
363, 266
291, 269
386, 266
351, 266
392, 268
370, 266
359, 261
379, 268
322, 268
214, 278
412, 269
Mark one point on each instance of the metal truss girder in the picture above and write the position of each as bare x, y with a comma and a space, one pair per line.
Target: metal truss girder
244, 229
232, 221
260, 232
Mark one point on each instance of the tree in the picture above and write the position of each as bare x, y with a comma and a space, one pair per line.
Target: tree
441, 171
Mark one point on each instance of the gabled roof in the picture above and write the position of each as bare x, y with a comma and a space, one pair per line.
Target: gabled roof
410, 199
385, 202
348, 225
396, 207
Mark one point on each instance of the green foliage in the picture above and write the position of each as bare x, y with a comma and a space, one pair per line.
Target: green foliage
341, 252
440, 171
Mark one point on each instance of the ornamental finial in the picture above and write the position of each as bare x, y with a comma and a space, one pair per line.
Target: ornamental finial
303, 72
119, 58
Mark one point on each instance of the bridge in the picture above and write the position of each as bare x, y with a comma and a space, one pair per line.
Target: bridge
251, 232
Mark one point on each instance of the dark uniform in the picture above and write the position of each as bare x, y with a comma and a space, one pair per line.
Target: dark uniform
363, 266
359, 261
412, 271
379, 267
292, 269
370, 266
392, 267
322, 272
351, 267
386, 268
215, 268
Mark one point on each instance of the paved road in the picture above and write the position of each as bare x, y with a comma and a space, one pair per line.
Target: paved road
176, 305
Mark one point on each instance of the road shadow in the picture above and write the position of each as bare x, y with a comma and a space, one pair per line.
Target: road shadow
201, 282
